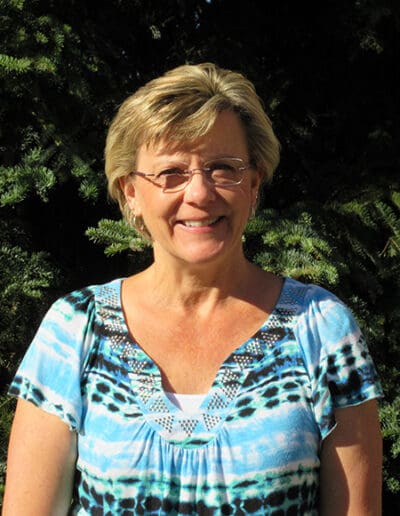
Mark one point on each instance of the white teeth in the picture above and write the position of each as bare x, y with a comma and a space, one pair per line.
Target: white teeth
199, 223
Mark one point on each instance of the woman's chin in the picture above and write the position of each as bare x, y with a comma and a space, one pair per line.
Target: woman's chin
202, 254
194, 254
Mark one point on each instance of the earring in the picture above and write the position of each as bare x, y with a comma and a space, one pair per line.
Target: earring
138, 224
253, 208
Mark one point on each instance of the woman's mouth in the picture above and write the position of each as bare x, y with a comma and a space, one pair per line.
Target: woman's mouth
200, 223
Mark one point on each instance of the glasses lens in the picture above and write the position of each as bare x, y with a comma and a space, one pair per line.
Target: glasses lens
226, 171
222, 171
172, 179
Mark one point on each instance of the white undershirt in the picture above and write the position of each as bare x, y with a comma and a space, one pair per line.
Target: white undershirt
188, 403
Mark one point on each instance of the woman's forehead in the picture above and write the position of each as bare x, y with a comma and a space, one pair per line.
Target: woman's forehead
226, 136
169, 149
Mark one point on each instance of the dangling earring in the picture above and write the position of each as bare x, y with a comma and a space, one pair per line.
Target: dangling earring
253, 208
138, 224
133, 220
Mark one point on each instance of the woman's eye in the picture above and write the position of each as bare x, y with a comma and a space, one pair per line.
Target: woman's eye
222, 167
171, 171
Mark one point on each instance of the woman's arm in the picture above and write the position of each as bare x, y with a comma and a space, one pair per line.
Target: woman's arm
41, 464
351, 463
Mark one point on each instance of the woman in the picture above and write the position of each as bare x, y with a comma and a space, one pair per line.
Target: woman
202, 385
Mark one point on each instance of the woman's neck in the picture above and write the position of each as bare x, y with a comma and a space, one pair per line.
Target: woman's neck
188, 288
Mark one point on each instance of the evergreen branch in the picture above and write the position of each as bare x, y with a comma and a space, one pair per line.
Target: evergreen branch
117, 236
10, 64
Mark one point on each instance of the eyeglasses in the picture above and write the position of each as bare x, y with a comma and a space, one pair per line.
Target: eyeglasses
218, 172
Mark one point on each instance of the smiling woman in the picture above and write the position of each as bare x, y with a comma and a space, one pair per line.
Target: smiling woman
203, 384
205, 217
180, 108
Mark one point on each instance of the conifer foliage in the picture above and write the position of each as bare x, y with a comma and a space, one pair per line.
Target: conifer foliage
327, 74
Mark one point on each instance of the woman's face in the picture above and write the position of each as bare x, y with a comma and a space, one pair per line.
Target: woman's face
203, 222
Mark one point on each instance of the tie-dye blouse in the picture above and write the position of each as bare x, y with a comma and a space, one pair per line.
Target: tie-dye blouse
253, 445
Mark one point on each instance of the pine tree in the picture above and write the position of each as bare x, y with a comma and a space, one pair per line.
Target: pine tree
327, 73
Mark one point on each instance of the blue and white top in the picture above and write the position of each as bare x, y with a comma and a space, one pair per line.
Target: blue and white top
253, 444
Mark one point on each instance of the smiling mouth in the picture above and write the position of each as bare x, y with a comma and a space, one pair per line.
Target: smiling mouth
200, 223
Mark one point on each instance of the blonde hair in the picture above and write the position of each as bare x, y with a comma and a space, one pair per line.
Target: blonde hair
182, 106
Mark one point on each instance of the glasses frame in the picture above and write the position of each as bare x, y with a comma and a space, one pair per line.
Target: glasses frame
198, 170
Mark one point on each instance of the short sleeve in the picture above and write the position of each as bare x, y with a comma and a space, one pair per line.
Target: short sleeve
50, 372
341, 370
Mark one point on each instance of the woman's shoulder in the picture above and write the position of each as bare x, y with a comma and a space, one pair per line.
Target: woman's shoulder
80, 299
311, 297
319, 312
324, 321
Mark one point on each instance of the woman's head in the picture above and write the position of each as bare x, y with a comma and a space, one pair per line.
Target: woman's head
181, 106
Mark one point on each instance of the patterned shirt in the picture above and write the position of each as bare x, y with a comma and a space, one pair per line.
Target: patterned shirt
252, 446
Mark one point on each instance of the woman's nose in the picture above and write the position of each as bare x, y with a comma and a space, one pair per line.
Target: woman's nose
199, 189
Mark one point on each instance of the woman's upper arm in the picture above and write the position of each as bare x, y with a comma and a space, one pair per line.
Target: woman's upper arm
41, 464
351, 463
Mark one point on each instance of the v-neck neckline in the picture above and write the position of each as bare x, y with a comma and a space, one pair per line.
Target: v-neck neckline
145, 376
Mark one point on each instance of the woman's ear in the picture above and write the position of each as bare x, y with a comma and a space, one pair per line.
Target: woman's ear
255, 185
127, 186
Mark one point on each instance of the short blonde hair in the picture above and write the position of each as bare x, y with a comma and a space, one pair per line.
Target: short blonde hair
182, 106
